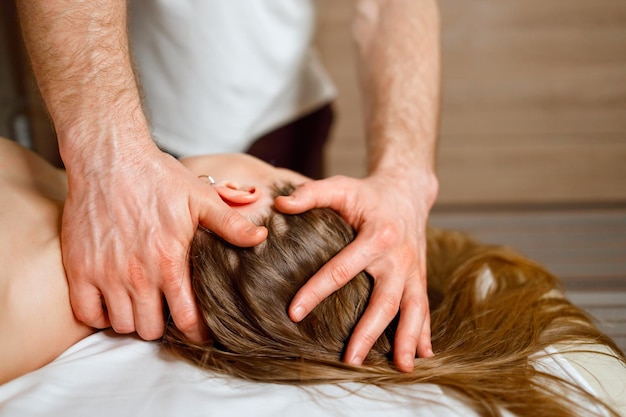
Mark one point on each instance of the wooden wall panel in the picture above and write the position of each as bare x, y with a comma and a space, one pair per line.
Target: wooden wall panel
533, 105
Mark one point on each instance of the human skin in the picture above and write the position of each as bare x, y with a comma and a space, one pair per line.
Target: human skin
36, 319
80, 57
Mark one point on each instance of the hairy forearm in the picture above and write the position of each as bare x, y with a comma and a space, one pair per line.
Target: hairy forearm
80, 56
399, 63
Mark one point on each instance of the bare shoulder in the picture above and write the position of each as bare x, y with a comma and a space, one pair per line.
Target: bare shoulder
14, 157
33, 333
19, 165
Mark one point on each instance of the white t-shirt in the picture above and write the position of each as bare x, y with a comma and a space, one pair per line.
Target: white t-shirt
217, 74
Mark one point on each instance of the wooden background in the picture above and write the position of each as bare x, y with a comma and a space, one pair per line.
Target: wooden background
534, 100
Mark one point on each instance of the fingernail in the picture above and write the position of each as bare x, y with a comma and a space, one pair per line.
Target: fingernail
407, 360
298, 313
356, 359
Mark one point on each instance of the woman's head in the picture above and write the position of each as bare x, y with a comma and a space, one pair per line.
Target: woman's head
244, 293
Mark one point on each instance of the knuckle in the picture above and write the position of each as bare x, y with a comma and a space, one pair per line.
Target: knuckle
152, 333
185, 320
408, 338
340, 275
417, 304
85, 315
171, 266
369, 338
231, 219
123, 326
137, 278
88, 310
388, 235
388, 306
421, 305
172, 280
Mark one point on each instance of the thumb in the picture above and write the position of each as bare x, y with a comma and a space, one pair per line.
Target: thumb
230, 225
329, 192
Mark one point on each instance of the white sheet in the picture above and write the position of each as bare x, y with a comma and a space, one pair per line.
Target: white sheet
110, 375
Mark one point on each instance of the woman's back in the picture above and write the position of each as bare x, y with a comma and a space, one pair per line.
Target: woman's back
36, 320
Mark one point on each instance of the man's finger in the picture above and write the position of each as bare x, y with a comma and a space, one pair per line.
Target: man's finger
229, 224
88, 307
382, 308
120, 310
183, 308
148, 313
424, 345
332, 276
329, 192
413, 329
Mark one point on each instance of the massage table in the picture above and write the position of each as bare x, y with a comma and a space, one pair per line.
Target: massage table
113, 375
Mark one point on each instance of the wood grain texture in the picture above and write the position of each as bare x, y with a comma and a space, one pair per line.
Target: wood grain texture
533, 100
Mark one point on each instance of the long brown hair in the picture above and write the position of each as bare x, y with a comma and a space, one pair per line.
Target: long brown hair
491, 312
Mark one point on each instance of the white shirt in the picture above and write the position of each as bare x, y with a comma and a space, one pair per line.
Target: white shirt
217, 74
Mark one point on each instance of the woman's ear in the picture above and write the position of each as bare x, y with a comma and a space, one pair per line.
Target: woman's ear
236, 195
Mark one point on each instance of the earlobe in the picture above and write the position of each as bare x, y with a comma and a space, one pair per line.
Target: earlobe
235, 195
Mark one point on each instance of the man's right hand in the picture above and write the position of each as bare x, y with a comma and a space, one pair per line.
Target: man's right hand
127, 225
131, 210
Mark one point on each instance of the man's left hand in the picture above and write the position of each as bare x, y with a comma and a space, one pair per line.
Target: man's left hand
389, 216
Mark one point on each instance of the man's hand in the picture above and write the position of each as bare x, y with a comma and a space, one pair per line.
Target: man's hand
125, 238
131, 210
390, 219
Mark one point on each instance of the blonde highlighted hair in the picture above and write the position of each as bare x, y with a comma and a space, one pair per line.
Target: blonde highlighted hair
492, 312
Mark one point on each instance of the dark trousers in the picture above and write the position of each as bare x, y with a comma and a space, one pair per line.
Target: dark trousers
299, 145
